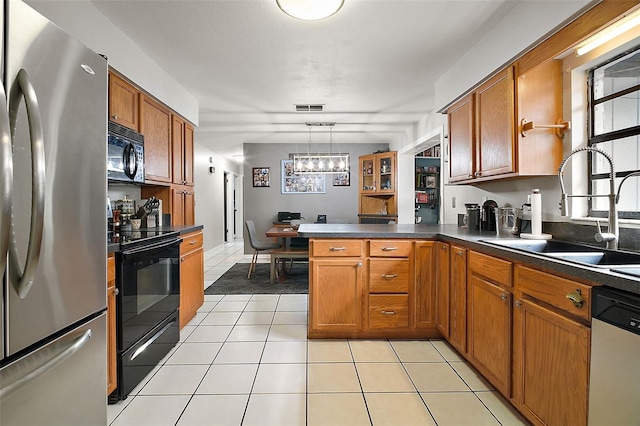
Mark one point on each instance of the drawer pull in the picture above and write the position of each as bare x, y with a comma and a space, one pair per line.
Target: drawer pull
388, 312
337, 248
389, 248
576, 298
192, 242
389, 276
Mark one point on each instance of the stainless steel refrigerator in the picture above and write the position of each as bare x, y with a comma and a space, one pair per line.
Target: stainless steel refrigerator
52, 225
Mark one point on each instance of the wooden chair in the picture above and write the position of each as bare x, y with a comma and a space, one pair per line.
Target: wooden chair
257, 245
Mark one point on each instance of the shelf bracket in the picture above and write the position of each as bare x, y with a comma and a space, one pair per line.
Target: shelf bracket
561, 127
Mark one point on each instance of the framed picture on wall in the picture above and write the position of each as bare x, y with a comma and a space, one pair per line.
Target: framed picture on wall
305, 183
260, 176
341, 179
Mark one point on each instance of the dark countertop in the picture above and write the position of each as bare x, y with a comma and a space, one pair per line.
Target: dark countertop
181, 229
473, 240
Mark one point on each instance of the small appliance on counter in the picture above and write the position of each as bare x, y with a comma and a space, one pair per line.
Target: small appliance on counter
488, 216
472, 216
506, 220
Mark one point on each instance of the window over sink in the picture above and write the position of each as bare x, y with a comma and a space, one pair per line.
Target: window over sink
614, 127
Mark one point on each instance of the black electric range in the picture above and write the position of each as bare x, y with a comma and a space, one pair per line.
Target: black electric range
141, 237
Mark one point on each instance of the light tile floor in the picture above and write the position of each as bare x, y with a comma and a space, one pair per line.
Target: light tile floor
245, 360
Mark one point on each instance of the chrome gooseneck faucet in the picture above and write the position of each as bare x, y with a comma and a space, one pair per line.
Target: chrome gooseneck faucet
613, 233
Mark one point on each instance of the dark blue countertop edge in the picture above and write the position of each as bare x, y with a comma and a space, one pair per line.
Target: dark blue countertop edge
473, 240
181, 229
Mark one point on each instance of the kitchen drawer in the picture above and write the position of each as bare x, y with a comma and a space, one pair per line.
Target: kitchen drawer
389, 248
554, 291
191, 242
336, 248
111, 269
496, 270
388, 311
388, 275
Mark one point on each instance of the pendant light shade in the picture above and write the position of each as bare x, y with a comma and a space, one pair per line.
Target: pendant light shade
310, 10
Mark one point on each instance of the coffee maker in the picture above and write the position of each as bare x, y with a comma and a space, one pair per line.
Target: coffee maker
488, 216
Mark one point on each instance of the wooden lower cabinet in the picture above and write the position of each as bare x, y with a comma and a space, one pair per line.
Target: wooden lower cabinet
443, 264
458, 299
551, 349
489, 326
388, 311
335, 295
112, 368
374, 288
191, 276
551, 366
489, 306
425, 283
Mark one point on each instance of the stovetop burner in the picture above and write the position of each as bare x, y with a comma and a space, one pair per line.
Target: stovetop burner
127, 238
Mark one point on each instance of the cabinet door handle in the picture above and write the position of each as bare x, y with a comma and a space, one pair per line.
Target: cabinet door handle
182, 259
389, 276
518, 304
459, 253
443, 248
503, 297
116, 292
115, 117
389, 248
337, 248
388, 312
576, 298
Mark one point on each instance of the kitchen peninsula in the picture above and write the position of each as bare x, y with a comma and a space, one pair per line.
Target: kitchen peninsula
522, 319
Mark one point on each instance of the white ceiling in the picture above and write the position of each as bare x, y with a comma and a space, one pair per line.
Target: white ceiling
373, 64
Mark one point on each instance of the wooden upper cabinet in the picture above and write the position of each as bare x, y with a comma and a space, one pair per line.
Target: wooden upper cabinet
539, 98
487, 140
188, 154
494, 126
155, 125
177, 142
123, 102
182, 143
461, 139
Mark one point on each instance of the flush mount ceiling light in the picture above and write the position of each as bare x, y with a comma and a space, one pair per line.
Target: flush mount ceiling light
310, 10
609, 33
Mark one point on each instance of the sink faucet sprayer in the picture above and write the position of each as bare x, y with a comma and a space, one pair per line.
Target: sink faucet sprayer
613, 233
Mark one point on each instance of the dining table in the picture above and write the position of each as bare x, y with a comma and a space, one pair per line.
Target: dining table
282, 234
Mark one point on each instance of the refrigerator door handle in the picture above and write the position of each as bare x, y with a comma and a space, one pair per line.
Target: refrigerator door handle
23, 278
55, 356
6, 179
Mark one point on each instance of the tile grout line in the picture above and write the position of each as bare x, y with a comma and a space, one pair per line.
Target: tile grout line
413, 383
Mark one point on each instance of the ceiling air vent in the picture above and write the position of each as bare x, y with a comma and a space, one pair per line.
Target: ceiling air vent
309, 107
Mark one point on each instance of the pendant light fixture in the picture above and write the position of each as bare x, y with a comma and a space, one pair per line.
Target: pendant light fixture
313, 163
310, 10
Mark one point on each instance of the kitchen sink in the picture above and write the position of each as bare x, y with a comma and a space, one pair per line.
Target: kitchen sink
572, 252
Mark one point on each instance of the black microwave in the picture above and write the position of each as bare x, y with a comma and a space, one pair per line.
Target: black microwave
125, 154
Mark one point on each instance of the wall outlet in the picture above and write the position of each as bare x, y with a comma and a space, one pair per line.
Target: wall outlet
453, 202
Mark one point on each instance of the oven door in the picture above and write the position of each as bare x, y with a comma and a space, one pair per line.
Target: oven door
149, 289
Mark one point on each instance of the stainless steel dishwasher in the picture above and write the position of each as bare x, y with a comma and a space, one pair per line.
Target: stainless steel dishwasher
614, 391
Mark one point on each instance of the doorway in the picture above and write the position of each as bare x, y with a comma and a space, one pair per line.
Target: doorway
231, 201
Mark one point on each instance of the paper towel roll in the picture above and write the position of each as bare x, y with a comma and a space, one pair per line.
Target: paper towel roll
536, 212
